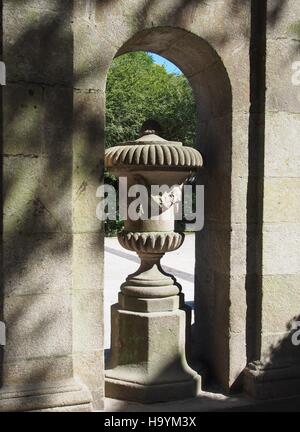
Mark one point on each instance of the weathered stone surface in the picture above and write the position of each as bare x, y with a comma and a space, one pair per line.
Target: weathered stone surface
54, 55
282, 95
139, 369
38, 194
57, 396
32, 371
57, 121
94, 52
87, 156
160, 155
43, 37
38, 326
88, 259
280, 303
276, 258
216, 97
282, 152
238, 307
272, 384
89, 366
37, 264
237, 359
148, 375
22, 117
282, 17
218, 158
87, 325
147, 242
277, 349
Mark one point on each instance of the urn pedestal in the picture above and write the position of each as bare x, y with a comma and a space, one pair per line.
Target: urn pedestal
151, 323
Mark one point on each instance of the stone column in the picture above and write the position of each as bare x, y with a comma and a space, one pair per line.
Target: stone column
275, 367
149, 323
39, 295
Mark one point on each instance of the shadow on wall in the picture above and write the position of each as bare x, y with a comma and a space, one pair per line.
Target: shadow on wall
286, 351
39, 124
1, 194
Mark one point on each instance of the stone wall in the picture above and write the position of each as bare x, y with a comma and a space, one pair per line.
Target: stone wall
53, 247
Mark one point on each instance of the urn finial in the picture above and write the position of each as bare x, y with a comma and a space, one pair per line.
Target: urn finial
150, 127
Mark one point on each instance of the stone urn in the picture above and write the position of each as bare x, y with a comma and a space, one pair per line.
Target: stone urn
150, 323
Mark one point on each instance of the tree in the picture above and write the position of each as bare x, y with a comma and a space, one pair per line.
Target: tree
138, 90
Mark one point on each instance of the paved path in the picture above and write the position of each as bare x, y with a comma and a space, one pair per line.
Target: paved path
119, 263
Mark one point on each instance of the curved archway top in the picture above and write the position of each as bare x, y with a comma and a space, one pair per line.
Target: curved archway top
198, 60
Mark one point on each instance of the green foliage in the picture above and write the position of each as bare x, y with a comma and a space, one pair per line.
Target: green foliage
111, 227
139, 90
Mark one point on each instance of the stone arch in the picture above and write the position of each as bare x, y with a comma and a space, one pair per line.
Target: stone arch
209, 46
211, 86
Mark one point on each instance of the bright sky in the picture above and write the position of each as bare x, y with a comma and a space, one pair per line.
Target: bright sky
170, 67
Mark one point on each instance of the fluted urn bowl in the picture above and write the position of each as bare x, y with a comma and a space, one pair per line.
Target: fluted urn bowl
152, 160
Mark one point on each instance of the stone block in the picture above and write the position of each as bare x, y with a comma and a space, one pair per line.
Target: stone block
88, 258
38, 326
277, 350
282, 152
88, 147
66, 395
37, 264
281, 249
38, 194
54, 5
87, 320
272, 383
236, 59
281, 200
139, 369
89, 366
280, 303
94, 51
224, 145
57, 121
224, 250
34, 371
22, 119
41, 50
213, 249
281, 94
237, 359
230, 19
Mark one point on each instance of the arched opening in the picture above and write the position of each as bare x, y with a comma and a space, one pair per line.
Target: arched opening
212, 92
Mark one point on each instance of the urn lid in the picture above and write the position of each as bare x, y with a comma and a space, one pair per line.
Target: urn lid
152, 151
